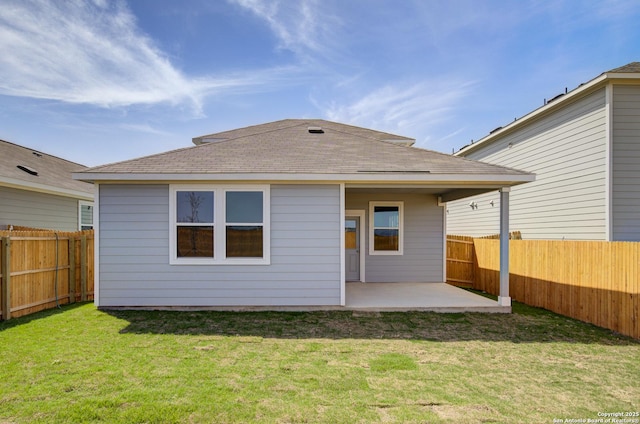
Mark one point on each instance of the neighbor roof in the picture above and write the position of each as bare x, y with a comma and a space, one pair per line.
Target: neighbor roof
289, 149
28, 169
626, 73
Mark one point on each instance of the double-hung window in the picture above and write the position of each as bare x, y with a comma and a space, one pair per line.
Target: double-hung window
385, 228
219, 224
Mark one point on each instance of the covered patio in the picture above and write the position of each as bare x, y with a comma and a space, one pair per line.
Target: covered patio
435, 297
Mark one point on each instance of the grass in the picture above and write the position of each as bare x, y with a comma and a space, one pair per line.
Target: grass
79, 364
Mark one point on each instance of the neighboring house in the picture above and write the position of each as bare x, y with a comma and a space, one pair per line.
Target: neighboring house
278, 214
584, 147
37, 190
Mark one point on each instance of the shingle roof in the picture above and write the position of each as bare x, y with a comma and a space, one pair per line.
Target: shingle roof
51, 171
321, 123
629, 68
288, 147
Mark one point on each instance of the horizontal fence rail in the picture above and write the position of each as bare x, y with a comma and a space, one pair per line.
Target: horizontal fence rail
41, 269
593, 281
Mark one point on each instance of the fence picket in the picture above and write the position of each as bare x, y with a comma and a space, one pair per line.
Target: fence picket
38, 270
593, 281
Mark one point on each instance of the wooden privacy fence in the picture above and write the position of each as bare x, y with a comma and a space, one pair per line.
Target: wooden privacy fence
461, 264
593, 281
42, 269
460, 261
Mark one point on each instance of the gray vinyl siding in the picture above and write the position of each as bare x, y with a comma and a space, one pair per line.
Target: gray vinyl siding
626, 163
38, 210
567, 151
422, 258
134, 253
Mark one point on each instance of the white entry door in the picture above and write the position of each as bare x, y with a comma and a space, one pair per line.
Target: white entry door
352, 248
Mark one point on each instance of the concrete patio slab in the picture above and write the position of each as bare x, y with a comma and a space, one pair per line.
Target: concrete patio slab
437, 297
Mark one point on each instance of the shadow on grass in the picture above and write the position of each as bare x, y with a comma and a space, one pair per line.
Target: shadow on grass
524, 325
5, 325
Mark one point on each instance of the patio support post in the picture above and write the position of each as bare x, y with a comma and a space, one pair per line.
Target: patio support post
503, 296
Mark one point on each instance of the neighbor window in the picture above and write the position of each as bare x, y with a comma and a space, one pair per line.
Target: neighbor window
85, 215
385, 228
219, 225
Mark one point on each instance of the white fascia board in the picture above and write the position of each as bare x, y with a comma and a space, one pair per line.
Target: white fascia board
347, 178
540, 111
43, 188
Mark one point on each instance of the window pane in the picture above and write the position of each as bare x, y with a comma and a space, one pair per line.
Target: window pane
195, 242
386, 216
244, 241
350, 232
385, 240
244, 207
195, 206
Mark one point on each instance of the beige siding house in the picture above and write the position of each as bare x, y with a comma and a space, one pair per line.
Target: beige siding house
584, 147
37, 190
281, 214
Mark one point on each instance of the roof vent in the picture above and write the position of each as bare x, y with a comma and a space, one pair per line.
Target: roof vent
28, 170
315, 130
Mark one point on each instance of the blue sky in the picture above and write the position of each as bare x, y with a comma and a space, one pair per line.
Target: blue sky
99, 81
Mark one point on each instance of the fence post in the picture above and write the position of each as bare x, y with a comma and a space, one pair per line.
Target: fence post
6, 278
72, 270
83, 268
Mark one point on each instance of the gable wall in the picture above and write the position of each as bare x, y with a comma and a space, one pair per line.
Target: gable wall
422, 258
134, 253
37, 210
626, 163
567, 152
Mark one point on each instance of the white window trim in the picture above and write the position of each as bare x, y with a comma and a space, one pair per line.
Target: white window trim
398, 252
82, 203
219, 220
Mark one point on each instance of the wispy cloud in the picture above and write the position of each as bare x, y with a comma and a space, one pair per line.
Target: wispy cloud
404, 106
93, 52
303, 27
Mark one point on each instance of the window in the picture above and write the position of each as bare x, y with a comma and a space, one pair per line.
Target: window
219, 225
85, 215
244, 224
195, 224
385, 228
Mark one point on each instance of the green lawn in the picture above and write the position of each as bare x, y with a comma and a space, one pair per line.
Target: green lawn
79, 364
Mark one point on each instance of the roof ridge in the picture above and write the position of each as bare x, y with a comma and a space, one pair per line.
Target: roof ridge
302, 121
363, 128
253, 134
247, 127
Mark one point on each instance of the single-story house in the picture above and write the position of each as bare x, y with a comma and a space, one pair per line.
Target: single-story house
584, 147
37, 190
279, 214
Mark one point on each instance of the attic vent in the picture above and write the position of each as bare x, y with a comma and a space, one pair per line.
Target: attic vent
315, 130
27, 170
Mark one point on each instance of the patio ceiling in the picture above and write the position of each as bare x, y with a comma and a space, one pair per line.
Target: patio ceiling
447, 194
